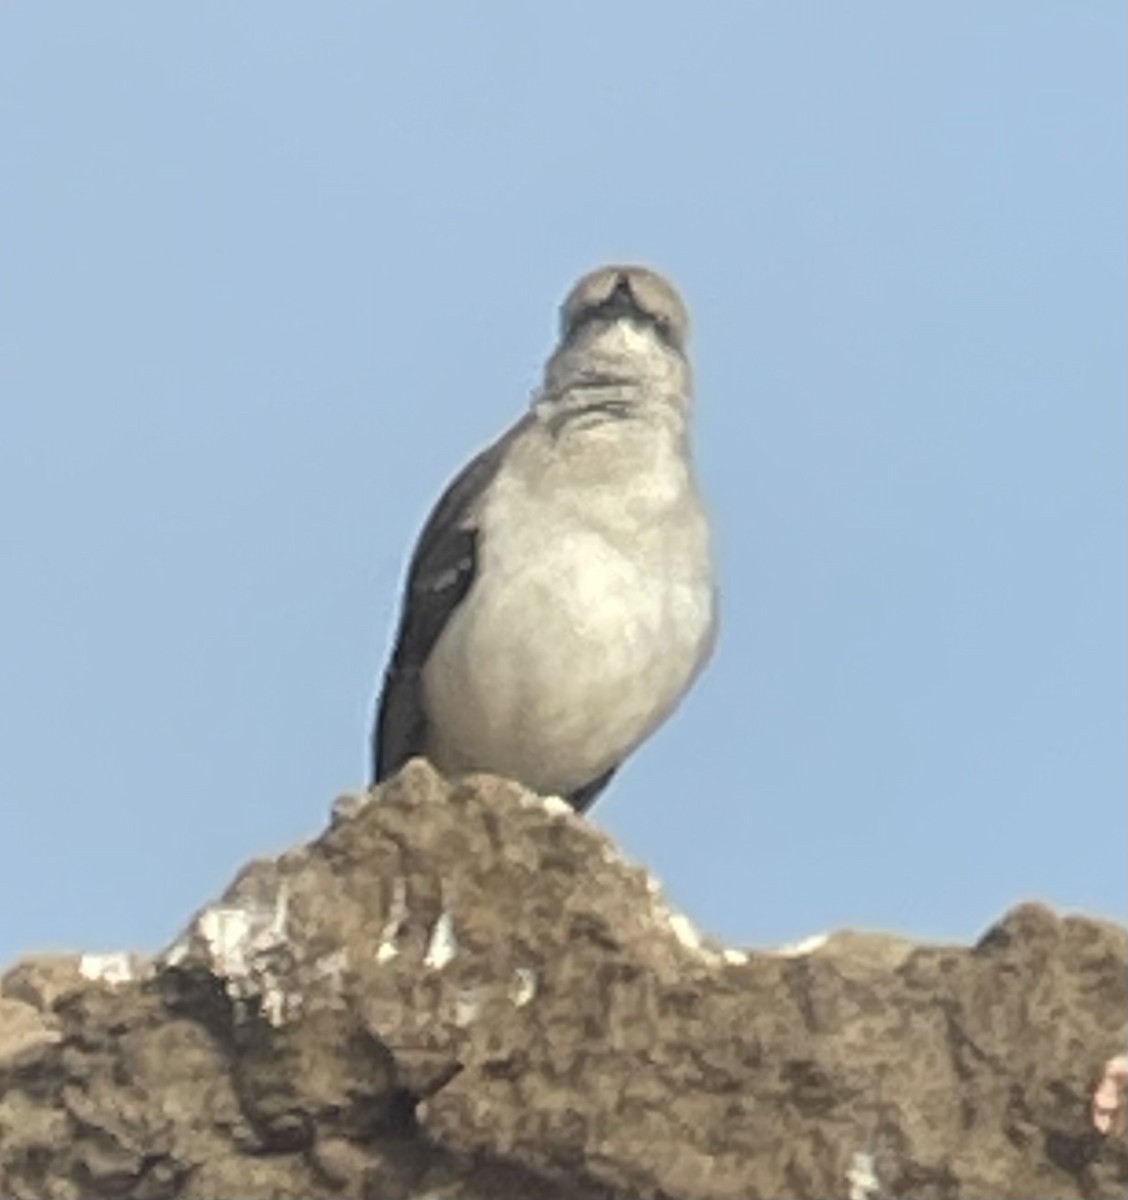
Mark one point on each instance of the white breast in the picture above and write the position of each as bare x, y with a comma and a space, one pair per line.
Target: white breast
586, 624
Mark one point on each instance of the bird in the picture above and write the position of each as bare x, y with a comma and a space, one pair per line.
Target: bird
562, 597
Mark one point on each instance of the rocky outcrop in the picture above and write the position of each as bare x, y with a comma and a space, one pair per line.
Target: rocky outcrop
460, 990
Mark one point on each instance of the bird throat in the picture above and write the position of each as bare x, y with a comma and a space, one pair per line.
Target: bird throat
594, 399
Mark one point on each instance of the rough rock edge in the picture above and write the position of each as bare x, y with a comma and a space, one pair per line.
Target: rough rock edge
462, 990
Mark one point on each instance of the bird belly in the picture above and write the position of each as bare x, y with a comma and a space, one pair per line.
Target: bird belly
554, 674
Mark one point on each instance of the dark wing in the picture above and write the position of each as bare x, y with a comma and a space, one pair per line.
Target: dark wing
583, 798
441, 573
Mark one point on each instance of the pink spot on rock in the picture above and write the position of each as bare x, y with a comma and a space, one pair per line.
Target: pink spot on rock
1109, 1098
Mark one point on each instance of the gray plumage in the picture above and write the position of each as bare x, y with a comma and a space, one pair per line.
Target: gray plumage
561, 598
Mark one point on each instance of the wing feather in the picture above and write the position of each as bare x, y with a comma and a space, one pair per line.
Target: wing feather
443, 568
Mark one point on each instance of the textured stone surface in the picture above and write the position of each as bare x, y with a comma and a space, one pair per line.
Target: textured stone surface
463, 991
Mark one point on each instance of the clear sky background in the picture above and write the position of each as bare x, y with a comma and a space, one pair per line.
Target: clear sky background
270, 272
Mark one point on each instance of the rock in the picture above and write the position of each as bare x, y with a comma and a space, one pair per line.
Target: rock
462, 991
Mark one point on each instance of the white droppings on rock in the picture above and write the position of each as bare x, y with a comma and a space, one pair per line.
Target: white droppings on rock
227, 931
525, 986
243, 944
443, 945
862, 1177
684, 930
735, 958
467, 1006
807, 946
556, 806
237, 934
107, 968
177, 952
277, 1005
387, 947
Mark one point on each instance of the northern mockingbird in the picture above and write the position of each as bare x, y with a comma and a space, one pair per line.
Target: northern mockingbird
561, 598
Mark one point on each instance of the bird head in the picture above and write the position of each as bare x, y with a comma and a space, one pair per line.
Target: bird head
636, 295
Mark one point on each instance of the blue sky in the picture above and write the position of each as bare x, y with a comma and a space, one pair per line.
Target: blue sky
270, 272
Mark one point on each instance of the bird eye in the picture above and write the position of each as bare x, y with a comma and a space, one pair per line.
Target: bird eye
665, 328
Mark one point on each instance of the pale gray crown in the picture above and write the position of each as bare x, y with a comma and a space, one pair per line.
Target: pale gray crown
622, 291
